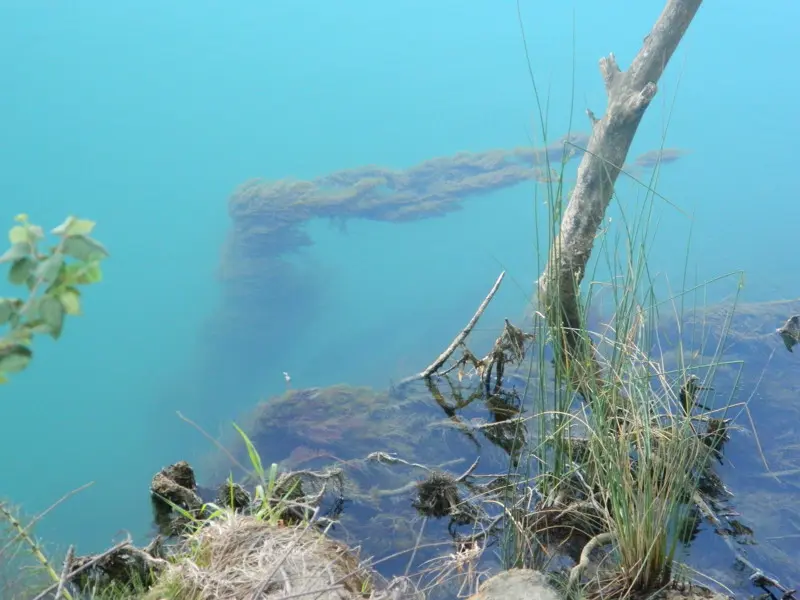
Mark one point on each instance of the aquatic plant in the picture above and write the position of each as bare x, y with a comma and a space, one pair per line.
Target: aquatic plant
629, 468
22, 555
53, 284
642, 460
17, 545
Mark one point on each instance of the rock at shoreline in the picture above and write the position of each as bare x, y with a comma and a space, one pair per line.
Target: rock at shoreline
516, 584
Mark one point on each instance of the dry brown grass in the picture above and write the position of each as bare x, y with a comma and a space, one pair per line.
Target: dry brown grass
238, 557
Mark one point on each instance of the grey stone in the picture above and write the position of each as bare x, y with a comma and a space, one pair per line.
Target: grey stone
516, 584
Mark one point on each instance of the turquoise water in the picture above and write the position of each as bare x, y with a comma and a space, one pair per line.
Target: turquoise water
145, 117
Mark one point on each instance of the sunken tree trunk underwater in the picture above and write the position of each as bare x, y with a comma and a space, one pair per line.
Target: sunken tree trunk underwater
629, 94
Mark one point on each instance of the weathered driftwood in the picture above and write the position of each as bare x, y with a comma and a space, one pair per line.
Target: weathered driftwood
629, 94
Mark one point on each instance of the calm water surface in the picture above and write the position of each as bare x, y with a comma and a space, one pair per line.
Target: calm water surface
145, 117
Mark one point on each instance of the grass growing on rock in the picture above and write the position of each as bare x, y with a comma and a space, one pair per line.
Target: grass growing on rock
241, 556
266, 546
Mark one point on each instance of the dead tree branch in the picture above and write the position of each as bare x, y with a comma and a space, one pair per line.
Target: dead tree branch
459, 339
629, 94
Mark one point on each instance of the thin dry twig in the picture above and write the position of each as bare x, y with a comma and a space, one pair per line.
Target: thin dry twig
86, 566
65, 571
208, 436
42, 514
459, 339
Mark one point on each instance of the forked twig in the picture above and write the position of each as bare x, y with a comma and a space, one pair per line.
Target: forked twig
459, 339
42, 514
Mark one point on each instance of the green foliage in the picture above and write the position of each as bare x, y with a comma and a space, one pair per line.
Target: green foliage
272, 493
52, 279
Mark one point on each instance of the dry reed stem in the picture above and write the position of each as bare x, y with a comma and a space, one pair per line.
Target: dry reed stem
240, 557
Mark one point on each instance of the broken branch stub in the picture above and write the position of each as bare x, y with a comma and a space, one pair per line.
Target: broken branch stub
629, 94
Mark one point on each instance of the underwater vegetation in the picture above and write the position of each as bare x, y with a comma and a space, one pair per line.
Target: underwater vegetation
655, 157
263, 274
268, 216
428, 432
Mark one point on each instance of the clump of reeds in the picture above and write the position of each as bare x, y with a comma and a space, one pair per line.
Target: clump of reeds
618, 459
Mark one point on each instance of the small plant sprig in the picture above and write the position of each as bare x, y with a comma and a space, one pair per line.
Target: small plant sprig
52, 283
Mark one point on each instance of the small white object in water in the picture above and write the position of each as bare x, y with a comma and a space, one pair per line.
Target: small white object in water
287, 377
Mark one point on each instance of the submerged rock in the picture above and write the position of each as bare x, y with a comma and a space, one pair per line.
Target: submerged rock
790, 332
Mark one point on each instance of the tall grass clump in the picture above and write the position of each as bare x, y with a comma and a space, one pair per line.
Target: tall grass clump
619, 456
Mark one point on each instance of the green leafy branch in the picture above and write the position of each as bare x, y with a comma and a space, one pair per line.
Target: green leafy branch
52, 283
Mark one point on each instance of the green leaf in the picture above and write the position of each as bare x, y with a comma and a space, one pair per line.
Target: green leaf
255, 458
35, 232
8, 308
48, 269
84, 248
14, 357
21, 270
22, 334
71, 300
18, 235
51, 312
82, 274
16, 251
92, 273
73, 226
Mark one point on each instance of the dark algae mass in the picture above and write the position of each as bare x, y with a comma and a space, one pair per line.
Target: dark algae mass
268, 217
262, 267
264, 272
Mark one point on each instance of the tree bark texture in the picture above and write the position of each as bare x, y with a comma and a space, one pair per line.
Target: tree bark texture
629, 94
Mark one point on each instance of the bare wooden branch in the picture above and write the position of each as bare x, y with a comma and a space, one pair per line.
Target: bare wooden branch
435, 365
629, 94
65, 572
459, 339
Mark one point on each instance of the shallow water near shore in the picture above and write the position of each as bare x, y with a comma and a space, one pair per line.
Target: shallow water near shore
308, 428
146, 117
